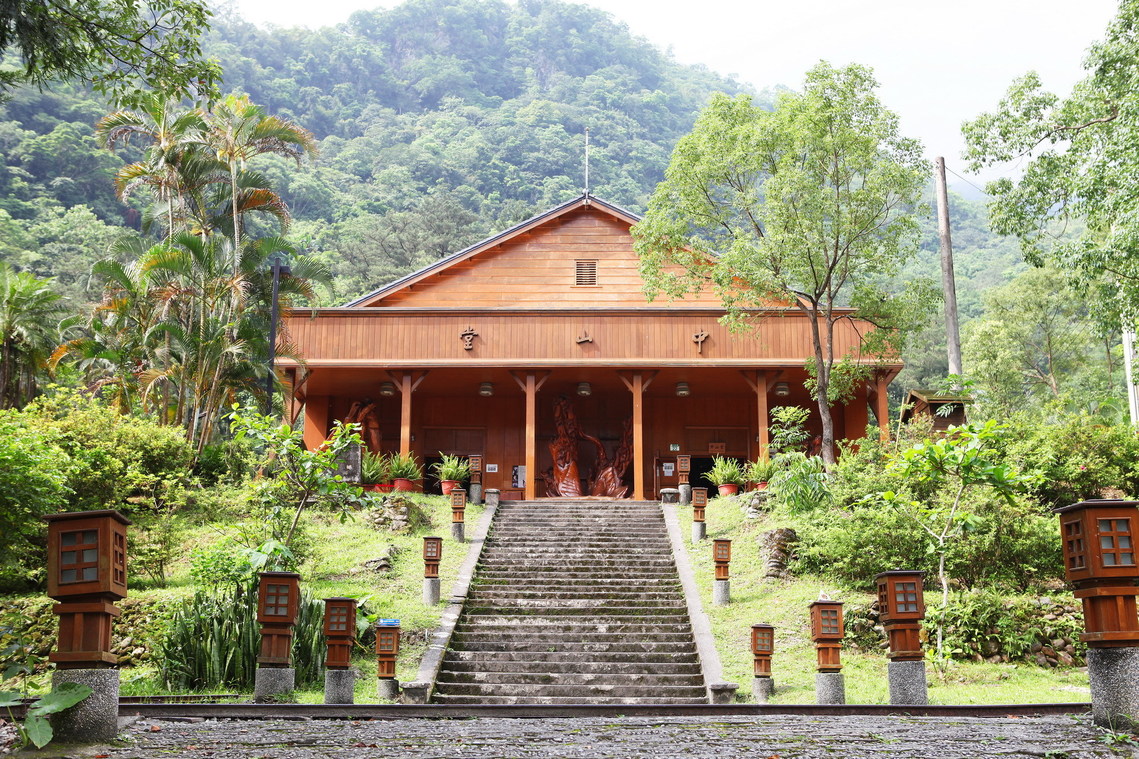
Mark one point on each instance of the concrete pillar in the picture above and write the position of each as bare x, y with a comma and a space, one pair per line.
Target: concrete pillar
340, 686
722, 693
457, 532
269, 683
430, 591
721, 592
685, 493
699, 531
387, 688
830, 688
94, 719
474, 492
907, 683
763, 688
492, 497
1114, 677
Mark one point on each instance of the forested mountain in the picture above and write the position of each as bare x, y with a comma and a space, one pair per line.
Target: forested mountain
438, 122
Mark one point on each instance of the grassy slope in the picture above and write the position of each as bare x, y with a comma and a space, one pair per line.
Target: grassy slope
784, 604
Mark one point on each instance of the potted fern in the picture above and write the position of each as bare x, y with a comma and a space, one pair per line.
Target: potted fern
451, 470
375, 472
403, 469
726, 475
759, 472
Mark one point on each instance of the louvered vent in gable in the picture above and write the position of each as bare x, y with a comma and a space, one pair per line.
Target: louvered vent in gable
586, 273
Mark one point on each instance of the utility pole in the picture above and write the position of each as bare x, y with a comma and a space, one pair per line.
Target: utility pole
952, 334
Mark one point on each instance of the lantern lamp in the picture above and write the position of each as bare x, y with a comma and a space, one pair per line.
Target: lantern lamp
584, 389
432, 554
458, 505
762, 646
682, 390
901, 607
827, 633
387, 389
1098, 538
339, 631
722, 555
278, 601
86, 573
486, 389
699, 503
387, 647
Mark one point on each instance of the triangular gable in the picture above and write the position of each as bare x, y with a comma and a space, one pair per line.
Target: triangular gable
391, 291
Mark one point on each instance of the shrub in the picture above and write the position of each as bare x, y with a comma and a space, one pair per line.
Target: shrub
213, 641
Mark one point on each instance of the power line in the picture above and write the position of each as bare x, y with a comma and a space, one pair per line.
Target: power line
966, 181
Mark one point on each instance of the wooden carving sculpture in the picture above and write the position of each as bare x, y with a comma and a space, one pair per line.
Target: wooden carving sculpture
565, 480
364, 414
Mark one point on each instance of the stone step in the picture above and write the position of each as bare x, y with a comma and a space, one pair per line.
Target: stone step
576, 614
564, 679
559, 645
498, 594
538, 656
599, 584
527, 690
522, 575
447, 698
645, 633
591, 667
565, 605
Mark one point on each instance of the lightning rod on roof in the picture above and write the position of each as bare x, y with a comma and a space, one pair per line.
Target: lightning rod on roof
587, 162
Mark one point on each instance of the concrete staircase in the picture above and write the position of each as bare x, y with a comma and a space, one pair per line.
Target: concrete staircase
574, 603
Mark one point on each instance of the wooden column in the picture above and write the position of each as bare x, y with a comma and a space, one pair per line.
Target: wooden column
316, 421
405, 390
638, 389
531, 388
759, 382
882, 407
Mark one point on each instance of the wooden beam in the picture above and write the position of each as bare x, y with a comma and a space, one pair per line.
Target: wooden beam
882, 408
520, 378
763, 417
406, 388
531, 389
638, 438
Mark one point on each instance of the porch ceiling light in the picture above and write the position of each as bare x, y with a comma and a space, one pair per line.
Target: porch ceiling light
486, 389
584, 389
782, 389
682, 390
387, 389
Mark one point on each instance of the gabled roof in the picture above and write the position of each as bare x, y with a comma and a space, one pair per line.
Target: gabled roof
584, 201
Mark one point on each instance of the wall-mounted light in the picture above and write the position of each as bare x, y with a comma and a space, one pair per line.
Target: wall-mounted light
782, 389
682, 390
387, 389
584, 389
486, 389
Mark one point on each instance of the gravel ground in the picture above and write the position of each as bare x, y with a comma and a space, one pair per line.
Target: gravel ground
774, 737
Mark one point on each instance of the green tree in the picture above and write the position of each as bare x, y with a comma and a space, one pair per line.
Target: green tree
29, 309
1082, 165
809, 205
121, 48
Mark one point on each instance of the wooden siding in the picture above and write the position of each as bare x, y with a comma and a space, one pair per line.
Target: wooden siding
428, 338
539, 269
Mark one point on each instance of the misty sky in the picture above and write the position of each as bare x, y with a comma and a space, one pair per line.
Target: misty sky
937, 67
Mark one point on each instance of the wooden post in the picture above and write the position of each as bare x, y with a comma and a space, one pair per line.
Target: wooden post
316, 421
638, 438
763, 416
952, 335
405, 390
531, 490
882, 402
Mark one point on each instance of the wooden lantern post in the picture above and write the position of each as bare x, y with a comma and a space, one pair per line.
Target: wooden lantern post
901, 608
1098, 539
827, 632
86, 573
278, 601
721, 586
475, 462
387, 651
432, 555
339, 631
458, 510
684, 468
699, 504
762, 646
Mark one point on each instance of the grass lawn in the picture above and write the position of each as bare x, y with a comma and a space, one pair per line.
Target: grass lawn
784, 604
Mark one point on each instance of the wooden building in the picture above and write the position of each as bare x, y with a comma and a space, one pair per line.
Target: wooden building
471, 354
945, 409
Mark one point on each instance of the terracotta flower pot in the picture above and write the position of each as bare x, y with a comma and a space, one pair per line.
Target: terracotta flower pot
402, 485
761, 486
448, 485
729, 488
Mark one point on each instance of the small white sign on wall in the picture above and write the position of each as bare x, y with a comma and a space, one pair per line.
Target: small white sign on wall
492, 467
669, 468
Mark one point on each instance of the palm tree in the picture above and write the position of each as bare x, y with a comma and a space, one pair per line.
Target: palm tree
236, 130
29, 309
